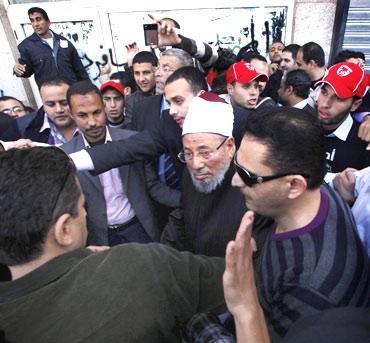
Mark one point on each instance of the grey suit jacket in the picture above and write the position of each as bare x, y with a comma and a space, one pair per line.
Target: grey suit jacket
134, 183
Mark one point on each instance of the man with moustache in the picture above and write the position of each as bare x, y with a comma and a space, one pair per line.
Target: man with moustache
119, 209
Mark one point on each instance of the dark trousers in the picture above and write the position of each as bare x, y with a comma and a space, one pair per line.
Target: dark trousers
133, 232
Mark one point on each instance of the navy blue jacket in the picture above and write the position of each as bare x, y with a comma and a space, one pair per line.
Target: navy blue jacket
43, 61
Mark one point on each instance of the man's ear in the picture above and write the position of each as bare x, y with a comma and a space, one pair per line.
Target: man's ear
230, 146
355, 105
62, 230
298, 185
312, 64
290, 90
230, 88
127, 91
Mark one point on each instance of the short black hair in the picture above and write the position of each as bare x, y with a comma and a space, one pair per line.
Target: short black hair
344, 55
293, 49
193, 76
253, 56
125, 78
145, 57
7, 97
38, 185
40, 10
82, 88
313, 51
294, 139
53, 81
300, 82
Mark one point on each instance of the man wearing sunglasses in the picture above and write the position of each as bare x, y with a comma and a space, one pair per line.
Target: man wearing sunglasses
312, 259
211, 209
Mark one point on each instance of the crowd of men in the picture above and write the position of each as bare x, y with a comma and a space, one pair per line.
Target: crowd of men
197, 196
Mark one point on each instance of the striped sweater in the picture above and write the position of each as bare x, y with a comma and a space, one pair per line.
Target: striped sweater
320, 266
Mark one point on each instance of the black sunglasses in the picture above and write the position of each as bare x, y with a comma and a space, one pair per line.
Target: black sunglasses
251, 179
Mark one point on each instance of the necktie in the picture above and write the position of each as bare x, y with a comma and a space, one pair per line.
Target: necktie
167, 172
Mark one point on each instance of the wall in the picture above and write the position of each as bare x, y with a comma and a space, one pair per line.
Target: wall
313, 21
103, 28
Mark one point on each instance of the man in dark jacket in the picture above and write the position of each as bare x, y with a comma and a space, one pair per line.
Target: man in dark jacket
46, 53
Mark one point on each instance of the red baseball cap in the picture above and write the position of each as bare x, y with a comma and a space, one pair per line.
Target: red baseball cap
347, 79
243, 72
113, 84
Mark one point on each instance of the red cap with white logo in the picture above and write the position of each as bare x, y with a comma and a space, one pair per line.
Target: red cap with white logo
243, 72
113, 84
347, 79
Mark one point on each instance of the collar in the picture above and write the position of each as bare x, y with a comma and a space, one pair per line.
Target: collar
46, 124
301, 105
343, 130
164, 104
35, 36
108, 138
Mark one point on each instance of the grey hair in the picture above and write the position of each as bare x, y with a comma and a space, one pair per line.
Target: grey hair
184, 58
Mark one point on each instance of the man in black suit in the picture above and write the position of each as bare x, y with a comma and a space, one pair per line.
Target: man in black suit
294, 90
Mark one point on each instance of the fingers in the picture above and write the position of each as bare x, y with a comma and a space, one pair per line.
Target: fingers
245, 229
131, 46
22, 143
364, 130
151, 16
19, 69
230, 260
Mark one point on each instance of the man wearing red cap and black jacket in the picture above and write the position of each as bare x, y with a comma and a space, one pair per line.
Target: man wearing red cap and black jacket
114, 102
341, 93
243, 87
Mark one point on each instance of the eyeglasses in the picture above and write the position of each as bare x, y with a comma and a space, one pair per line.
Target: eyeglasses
205, 154
15, 109
165, 69
251, 179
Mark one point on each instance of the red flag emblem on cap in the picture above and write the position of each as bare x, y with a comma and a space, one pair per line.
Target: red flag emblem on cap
344, 71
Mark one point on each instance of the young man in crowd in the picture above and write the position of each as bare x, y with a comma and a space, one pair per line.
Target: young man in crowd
311, 58
243, 87
342, 90
295, 89
52, 123
289, 58
114, 101
144, 65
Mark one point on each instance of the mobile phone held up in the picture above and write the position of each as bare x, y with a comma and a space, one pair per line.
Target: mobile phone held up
151, 34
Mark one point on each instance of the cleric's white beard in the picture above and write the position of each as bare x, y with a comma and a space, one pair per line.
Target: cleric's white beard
210, 186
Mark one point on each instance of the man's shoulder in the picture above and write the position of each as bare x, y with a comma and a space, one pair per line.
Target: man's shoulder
75, 144
118, 134
30, 40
